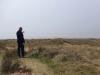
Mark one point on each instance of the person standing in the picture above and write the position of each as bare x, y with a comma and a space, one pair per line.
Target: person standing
20, 42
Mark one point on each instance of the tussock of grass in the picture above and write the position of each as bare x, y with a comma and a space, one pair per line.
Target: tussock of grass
86, 70
9, 63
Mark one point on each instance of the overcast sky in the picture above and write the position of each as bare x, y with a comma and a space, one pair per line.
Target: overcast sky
50, 18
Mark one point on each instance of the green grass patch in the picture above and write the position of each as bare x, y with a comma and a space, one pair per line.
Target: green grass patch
47, 61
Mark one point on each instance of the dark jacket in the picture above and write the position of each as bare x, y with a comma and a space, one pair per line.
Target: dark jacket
20, 37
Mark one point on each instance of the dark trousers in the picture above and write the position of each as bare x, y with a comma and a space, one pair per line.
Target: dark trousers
21, 50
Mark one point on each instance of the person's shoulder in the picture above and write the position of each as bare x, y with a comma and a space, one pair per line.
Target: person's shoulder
17, 32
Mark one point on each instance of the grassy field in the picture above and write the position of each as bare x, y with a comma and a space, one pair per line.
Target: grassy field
51, 57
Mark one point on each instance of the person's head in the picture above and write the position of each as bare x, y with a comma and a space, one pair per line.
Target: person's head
20, 29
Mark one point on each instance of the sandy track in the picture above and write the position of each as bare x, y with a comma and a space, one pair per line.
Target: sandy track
36, 66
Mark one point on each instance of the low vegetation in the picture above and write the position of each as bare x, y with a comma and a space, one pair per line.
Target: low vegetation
62, 56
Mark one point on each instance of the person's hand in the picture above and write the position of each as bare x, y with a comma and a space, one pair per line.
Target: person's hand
23, 43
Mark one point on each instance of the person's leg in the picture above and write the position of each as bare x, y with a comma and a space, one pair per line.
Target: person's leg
22, 50
18, 50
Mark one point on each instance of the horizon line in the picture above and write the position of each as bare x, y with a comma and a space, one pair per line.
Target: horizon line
51, 38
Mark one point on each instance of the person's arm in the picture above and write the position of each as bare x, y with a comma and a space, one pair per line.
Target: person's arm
23, 38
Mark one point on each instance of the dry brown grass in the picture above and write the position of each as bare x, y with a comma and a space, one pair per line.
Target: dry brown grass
70, 57
63, 56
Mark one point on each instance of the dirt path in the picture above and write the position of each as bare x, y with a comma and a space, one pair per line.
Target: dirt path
36, 66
